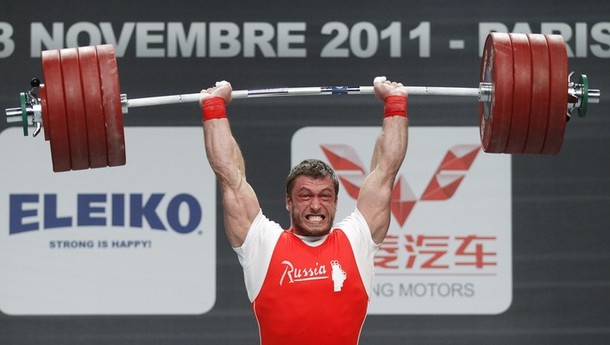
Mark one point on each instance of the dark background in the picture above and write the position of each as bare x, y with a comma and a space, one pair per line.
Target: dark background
561, 204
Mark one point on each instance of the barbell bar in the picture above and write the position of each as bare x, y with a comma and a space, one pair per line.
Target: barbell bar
525, 97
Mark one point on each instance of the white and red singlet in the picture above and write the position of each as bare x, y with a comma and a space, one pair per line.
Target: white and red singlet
309, 290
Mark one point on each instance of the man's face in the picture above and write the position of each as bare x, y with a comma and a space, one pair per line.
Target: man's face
312, 204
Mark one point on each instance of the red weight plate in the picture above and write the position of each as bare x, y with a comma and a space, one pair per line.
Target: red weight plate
540, 94
522, 93
94, 111
111, 100
558, 100
75, 109
56, 110
46, 123
495, 115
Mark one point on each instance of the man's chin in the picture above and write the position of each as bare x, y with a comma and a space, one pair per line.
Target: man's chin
318, 230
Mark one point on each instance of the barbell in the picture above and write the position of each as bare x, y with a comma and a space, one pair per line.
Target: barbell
525, 98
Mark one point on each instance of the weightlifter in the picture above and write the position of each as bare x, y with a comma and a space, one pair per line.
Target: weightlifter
311, 283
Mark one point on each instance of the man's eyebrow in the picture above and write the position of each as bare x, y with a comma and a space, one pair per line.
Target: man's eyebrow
327, 189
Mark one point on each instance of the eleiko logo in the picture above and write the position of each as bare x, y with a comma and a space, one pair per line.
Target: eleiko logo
442, 186
31, 212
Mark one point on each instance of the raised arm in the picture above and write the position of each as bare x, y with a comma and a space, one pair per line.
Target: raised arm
374, 200
240, 203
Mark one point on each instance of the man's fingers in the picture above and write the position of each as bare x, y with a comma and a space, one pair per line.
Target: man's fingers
222, 83
380, 79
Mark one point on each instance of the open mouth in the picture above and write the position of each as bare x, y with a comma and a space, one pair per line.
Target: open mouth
315, 218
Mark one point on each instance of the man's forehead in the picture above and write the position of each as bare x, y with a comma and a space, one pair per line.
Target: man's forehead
309, 182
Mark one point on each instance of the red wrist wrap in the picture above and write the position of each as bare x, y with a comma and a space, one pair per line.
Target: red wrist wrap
395, 106
214, 108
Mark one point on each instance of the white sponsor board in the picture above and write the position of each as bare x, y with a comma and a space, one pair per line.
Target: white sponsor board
136, 239
448, 250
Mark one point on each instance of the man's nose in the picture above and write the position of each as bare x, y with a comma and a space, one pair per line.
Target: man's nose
315, 203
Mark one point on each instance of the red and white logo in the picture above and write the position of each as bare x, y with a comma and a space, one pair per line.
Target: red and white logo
443, 184
293, 274
448, 250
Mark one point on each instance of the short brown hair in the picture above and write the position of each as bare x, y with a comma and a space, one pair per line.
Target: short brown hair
314, 168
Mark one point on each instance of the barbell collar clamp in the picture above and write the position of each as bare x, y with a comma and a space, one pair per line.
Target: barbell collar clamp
30, 111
